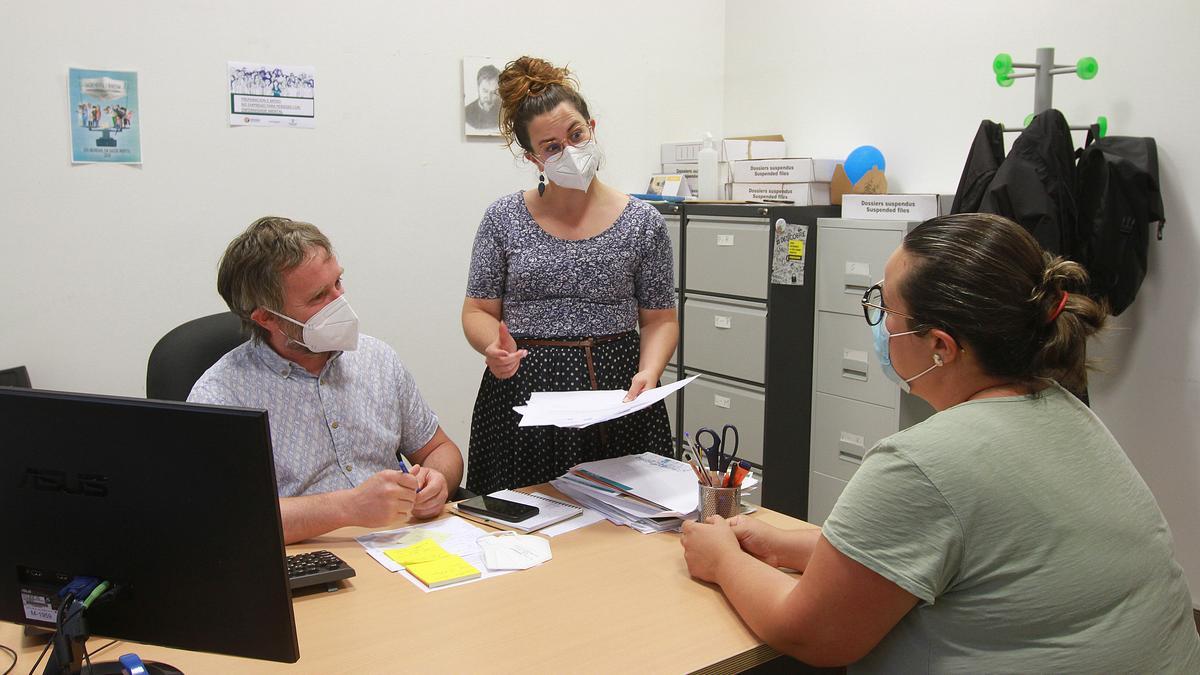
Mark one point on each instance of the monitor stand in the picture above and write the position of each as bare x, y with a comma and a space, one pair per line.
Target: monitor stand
70, 644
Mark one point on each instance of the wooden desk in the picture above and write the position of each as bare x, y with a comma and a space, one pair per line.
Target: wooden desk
611, 601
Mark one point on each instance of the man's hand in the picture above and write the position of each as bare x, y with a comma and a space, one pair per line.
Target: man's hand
502, 356
433, 492
382, 498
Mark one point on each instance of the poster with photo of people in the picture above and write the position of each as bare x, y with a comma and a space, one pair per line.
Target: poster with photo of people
104, 117
271, 95
481, 96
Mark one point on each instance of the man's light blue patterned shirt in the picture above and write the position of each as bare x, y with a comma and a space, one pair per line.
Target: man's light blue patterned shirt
332, 431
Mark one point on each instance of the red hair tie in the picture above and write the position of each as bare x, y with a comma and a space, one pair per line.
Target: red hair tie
1058, 310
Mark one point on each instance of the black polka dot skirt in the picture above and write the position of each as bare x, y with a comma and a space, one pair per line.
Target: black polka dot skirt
502, 455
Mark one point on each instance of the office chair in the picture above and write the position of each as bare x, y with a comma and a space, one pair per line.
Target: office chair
15, 377
183, 354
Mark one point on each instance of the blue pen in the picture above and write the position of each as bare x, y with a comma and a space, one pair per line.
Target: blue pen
405, 470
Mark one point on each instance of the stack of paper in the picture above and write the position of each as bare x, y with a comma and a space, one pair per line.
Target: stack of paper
647, 492
578, 409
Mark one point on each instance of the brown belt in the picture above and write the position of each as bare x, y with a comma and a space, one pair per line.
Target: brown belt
586, 343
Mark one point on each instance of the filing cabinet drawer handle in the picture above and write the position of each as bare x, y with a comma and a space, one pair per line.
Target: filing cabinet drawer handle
854, 365
851, 447
847, 456
857, 278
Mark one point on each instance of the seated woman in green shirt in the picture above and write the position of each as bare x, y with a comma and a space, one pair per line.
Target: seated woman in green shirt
1008, 532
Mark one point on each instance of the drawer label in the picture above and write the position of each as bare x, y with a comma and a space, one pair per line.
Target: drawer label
721, 401
858, 268
853, 439
722, 321
724, 240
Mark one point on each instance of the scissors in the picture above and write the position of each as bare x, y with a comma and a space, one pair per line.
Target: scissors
718, 452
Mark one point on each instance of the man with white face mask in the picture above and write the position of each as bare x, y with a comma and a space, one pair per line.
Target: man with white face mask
336, 439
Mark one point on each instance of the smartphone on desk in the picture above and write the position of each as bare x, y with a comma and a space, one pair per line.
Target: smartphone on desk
500, 509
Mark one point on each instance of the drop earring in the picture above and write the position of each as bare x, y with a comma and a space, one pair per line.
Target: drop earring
541, 184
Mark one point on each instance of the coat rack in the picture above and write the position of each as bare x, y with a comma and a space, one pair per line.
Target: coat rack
1043, 72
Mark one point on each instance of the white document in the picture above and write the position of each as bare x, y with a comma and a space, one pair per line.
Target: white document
578, 409
455, 535
512, 551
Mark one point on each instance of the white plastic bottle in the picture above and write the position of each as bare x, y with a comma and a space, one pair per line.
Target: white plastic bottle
709, 183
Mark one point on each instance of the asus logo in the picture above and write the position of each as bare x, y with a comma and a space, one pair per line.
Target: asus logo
50, 480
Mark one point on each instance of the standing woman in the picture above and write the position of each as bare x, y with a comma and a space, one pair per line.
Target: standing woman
563, 277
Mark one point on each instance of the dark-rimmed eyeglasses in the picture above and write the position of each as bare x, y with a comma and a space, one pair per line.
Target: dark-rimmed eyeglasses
873, 307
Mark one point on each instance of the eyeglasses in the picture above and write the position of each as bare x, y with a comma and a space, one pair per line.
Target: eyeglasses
873, 308
577, 137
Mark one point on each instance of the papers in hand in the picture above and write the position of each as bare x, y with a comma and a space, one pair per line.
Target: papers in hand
578, 409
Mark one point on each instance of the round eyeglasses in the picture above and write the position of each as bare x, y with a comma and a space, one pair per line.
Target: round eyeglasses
873, 307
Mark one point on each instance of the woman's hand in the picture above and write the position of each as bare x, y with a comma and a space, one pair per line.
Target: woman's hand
642, 380
706, 545
502, 356
757, 538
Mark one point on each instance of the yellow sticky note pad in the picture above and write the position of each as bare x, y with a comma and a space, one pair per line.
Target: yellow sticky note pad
442, 571
423, 551
432, 564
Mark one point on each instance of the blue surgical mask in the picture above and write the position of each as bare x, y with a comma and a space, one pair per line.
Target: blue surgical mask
883, 341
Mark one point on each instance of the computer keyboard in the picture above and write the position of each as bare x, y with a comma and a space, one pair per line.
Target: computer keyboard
317, 567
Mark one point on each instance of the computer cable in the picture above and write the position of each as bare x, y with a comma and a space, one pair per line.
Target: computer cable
13, 653
100, 590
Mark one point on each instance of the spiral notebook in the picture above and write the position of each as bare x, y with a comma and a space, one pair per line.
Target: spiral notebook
550, 511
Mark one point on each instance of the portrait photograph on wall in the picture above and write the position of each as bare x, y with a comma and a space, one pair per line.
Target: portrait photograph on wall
481, 95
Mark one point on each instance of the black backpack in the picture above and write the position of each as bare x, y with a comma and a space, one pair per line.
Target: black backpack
1118, 200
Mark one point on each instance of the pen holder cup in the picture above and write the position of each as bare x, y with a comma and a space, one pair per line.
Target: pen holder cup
719, 501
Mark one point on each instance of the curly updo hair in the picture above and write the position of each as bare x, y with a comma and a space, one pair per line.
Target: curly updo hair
985, 280
530, 87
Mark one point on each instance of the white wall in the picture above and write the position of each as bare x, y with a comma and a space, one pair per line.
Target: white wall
914, 79
101, 261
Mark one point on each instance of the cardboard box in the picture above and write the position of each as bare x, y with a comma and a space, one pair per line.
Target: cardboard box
890, 207
753, 147
787, 170
742, 147
823, 170
800, 194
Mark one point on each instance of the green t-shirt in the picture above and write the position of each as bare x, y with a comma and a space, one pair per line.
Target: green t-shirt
1029, 539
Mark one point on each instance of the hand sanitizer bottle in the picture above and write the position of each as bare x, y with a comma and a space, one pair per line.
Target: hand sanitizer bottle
709, 182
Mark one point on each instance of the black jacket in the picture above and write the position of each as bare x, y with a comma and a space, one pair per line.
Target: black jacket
1035, 184
985, 157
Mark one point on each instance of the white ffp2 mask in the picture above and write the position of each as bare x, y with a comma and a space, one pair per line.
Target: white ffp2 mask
574, 167
333, 329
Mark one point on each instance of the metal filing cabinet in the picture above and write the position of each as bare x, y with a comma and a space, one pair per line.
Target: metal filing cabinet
853, 404
749, 339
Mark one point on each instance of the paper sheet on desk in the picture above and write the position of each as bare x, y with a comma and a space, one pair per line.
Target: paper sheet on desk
455, 535
578, 409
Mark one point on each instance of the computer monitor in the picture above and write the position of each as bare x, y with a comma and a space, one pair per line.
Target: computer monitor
174, 504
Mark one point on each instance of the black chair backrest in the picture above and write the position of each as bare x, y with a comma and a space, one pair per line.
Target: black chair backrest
182, 355
15, 377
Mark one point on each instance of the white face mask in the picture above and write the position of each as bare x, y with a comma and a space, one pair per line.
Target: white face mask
333, 329
574, 167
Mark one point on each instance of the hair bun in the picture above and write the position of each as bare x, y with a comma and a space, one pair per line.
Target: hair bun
530, 76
